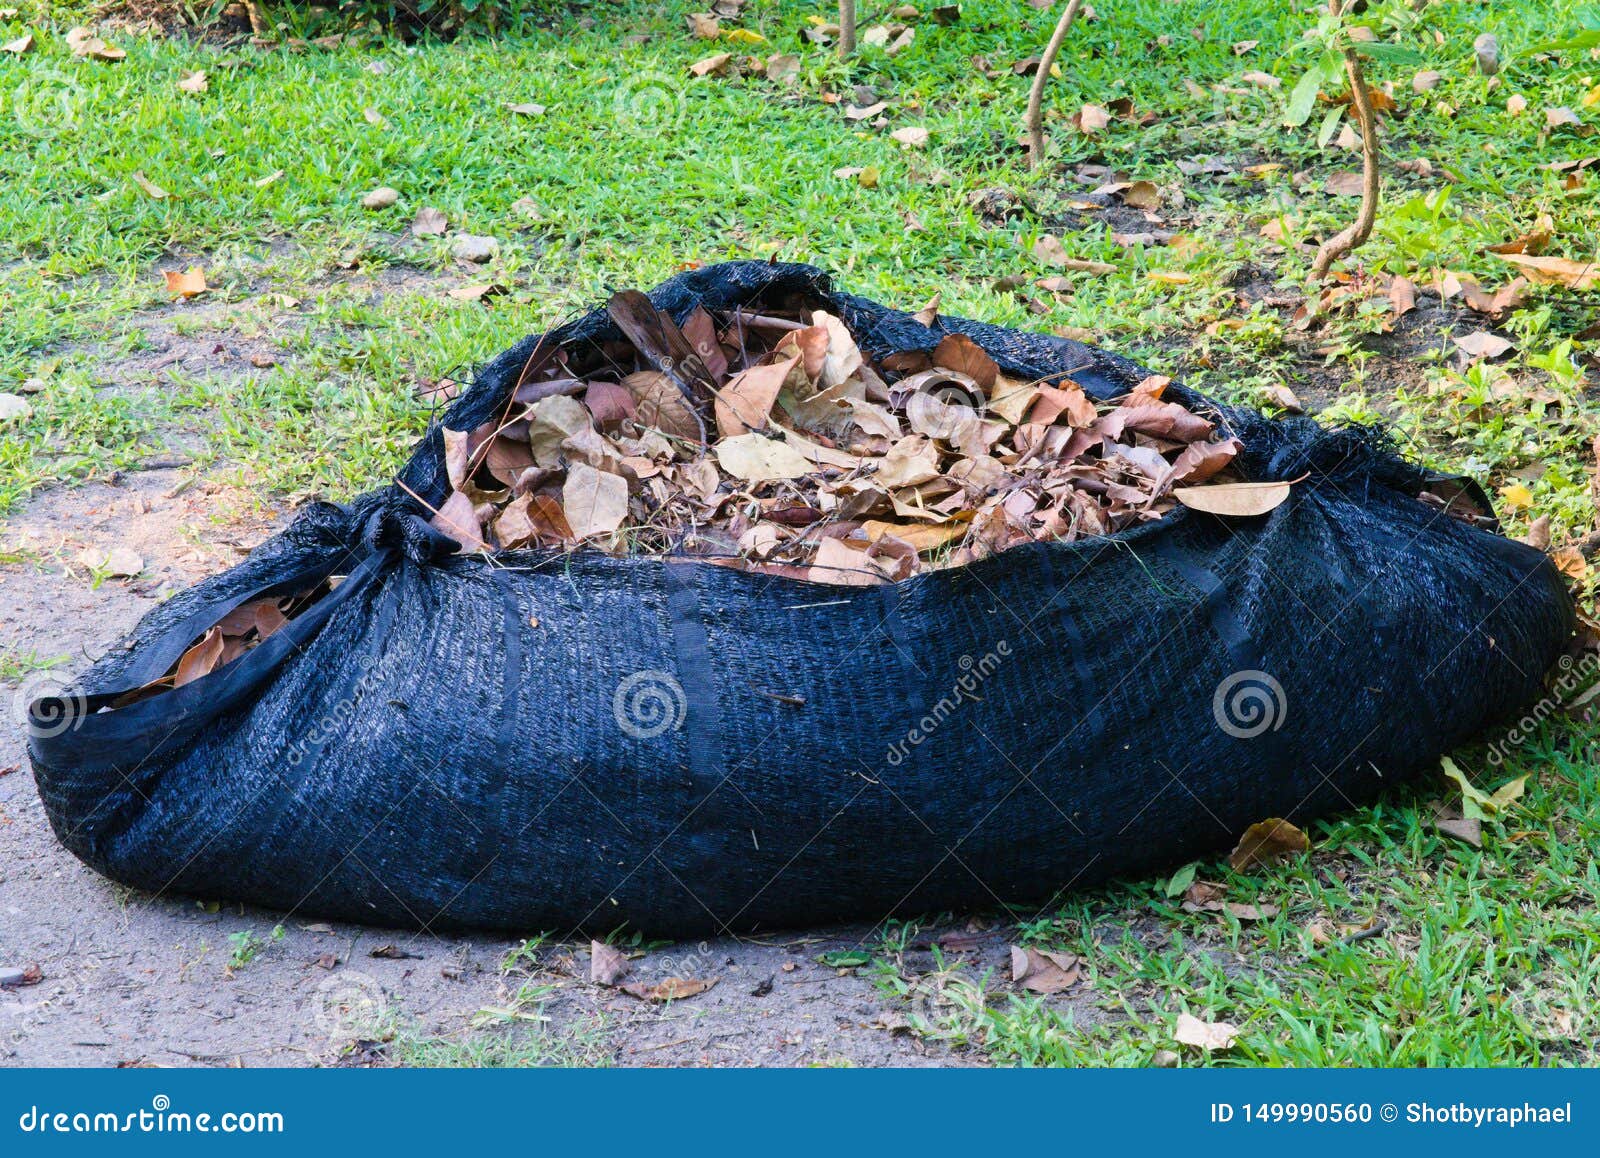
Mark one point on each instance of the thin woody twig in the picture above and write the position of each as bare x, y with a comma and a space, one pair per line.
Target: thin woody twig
1033, 120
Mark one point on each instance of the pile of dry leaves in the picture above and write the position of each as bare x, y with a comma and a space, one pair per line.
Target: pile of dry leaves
769, 442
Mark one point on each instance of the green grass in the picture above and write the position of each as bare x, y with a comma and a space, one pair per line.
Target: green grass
1487, 957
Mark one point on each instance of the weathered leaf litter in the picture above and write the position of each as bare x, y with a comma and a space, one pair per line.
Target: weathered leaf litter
769, 441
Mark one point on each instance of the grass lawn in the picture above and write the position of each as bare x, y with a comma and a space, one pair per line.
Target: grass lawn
633, 167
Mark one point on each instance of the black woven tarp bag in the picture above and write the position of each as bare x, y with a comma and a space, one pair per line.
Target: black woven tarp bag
544, 741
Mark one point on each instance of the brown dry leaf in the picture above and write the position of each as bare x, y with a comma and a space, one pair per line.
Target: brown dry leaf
200, 660
191, 283
458, 519
18, 46
1344, 184
429, 222
660, 404
960, 353
594, 502
1556, 117
712, 65
1482, 344
703, 25
745, 403
1092, 119
1044, 972
526, 109
478, 291
912, 136
1402, 296
837, 563
1261, 79
1236, 500
757, 458
1267, 841
1571, 563
672, 989
921, 536
1283, 398
782, 67
85, 43
1462, 829
1562, 271
1142, 195
193, 82
1206, 1035
607, 963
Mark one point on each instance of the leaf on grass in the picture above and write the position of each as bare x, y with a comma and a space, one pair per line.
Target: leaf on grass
1562, 271
912, 136
150, 188
757, 458
194, 83
1091, 119
1206, 1035
594, 502
526, 109
1236, 500
672, 989
1044, 972
429, 222
1267, 841
715, 65
18, 46
85, 43
191, 283
607, 963
1479, 805
478, 291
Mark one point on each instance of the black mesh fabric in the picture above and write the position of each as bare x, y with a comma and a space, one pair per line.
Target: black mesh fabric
539, 741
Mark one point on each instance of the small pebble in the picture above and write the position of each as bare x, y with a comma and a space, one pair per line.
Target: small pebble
474, 248
1487, 49
12, 976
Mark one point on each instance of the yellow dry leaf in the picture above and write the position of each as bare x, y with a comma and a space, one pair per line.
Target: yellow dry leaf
1517, 497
